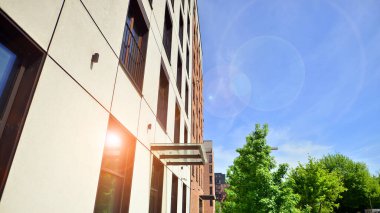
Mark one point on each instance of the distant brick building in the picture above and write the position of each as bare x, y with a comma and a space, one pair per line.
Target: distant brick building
220, 185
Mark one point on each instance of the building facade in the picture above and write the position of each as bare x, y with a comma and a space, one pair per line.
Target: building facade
209, 183
220, 185
96, 106
197, 171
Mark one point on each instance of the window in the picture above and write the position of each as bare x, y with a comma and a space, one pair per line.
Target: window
188, 28
211, 190
177, 123
187, 61
134, 45
210, 180
211, 203
187, 99
179, 74
163, 95
184, 194
114, 187
185, 134
210, 168
180, 32
200, 206
155, 200
167, 35
174, 196
20, 66
196, 174
210, 158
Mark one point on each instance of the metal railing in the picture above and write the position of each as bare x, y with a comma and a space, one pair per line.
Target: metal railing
133, 58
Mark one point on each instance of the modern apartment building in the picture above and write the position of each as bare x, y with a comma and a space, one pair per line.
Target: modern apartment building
197, 171
96, 105
209, 183
220, 185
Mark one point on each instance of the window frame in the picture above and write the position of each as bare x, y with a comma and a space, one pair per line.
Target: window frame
31, 59
129, 151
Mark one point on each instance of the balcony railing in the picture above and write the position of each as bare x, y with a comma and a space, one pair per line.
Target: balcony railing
133, 58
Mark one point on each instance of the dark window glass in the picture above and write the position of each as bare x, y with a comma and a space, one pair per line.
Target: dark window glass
211, 190
187, 61
163, 95
134, 45
180, 32
184, 199
200, 206
210, 180
155, 201
179, 74
210, 168
210, 158
20, 65
187, 99
167, 35
174, 196
188, 28
211, 203
185, 134
115, 179
7, 62
177, 123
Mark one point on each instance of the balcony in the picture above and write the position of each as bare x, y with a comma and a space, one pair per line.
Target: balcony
132, 57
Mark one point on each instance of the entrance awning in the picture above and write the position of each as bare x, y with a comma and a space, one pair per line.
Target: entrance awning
207, 197
180, 154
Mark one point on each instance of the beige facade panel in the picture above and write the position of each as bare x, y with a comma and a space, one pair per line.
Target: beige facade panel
152, 72
54, 169
147, 119
76, 39
126, 105
141, 180
34, 17
110, 17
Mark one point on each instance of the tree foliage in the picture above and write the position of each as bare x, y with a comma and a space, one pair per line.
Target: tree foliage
254, 186
318, 188
361, 186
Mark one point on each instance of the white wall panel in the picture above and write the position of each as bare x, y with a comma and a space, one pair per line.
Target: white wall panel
152, 72
126, 102
146, 135
37, 18
76, 39
57, 162
110, 16
141, 180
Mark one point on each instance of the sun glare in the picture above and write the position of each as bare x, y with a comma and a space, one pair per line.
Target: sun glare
113, 140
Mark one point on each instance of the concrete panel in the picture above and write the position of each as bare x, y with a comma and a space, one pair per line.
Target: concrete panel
144, 134
152, 73
37, 18
171, 114
159, 15
57, 169
110, 16
126, 102
139, 201
75, 41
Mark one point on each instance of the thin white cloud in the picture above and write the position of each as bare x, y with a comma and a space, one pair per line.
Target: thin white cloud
292, 150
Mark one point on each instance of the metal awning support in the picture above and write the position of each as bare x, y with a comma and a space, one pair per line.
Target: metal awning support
207, 197
179, 154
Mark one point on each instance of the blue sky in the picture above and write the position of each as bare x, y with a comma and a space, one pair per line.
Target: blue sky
310, 69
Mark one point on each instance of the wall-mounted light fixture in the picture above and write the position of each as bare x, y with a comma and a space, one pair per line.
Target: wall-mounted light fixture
94, 59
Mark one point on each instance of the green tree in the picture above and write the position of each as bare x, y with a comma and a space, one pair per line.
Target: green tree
361, 186
318, 188
254, 186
